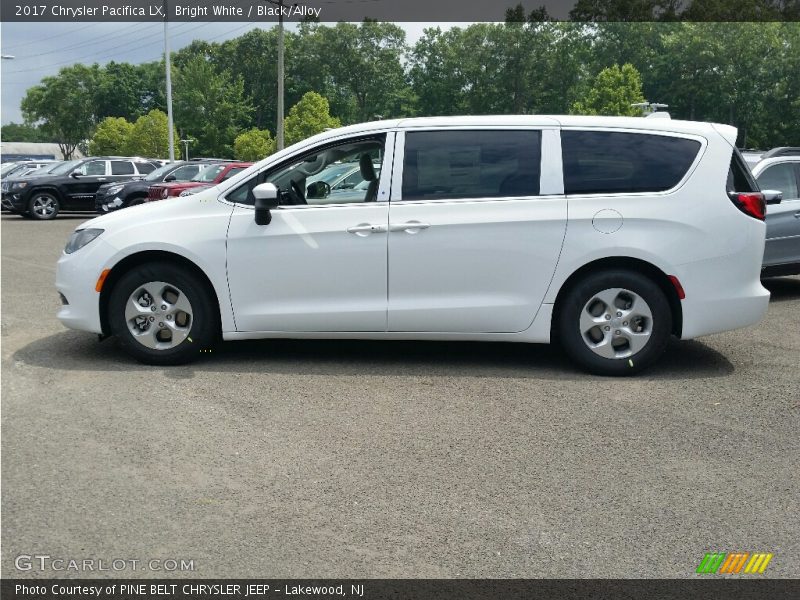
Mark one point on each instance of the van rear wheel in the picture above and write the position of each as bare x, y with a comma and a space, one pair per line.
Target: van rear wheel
615, 322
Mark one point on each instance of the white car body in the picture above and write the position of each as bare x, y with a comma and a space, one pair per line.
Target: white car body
478, 269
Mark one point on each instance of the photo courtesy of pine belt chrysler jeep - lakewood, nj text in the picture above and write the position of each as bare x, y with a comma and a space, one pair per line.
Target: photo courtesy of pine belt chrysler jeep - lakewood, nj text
605, 234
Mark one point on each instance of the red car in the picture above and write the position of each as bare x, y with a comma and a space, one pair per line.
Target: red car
208, 177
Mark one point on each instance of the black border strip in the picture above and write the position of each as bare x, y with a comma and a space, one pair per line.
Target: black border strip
707, 588
429, 11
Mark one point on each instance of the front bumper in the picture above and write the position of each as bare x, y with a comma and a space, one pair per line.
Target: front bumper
76, 278
13, 201
106, 204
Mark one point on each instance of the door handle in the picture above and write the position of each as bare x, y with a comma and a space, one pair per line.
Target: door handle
102, 179
365, 229
797, 215
411, 227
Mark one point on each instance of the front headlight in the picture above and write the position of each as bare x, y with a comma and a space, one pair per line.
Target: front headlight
18, 185
114, 189
190, 192
80, 238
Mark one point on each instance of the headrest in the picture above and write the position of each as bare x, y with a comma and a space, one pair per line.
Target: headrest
367, 170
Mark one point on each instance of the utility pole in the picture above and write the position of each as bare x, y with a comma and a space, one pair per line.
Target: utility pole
168, 62
186, 143
279, 132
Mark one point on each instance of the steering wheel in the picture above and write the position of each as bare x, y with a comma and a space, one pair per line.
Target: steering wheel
300, 197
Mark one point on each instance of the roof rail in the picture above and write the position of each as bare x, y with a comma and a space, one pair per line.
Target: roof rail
782, 151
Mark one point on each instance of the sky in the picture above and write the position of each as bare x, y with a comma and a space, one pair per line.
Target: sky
41, 49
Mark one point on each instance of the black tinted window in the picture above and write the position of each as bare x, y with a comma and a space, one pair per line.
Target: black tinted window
740, 179
121, 167
471, 164
599, 162
145, 168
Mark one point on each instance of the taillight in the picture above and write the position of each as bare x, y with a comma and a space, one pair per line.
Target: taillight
750, 203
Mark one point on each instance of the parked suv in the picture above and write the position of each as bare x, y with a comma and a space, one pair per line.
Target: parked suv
779, 169
70, 186
113, 196
208, 177
607, 234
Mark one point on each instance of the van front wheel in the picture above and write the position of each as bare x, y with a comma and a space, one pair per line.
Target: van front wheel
162, 315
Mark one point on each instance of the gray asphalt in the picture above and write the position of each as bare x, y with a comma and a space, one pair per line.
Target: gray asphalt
371, 459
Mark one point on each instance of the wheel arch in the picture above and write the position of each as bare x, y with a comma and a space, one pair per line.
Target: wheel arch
146, 256
636, 265
50, 189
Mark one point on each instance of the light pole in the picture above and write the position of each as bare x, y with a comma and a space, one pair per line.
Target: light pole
167, 60
279, 132
186, 143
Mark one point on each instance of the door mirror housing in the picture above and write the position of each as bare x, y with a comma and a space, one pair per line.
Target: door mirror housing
267, 199
170, 177
76, 173
772, 196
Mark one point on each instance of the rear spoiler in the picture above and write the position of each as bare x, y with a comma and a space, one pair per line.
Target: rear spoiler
726, 131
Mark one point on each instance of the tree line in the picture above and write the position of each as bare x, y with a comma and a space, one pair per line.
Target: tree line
745, 74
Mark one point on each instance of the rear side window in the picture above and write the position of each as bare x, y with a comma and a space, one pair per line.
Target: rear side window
608, 162
145, 168
232, 172
740, 178
471, 164
780, 177
121, 167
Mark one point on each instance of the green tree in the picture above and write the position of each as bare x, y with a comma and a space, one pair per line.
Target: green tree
61, 106
308, 117
613, 92
111, 137
149, 136
19, 132
210, 106
253, 145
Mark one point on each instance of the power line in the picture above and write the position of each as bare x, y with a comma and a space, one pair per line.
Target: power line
91, 42
52, 37
138, 41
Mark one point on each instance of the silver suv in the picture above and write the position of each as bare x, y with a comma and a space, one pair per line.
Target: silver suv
779, 169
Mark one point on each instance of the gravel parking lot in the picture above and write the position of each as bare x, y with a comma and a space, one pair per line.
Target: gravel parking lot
390, 459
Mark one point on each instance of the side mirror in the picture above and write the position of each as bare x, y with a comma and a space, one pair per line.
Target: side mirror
267, 199
772, 196
318, 189
170, 177
76, 173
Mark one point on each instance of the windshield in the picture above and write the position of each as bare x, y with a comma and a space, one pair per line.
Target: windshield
159, 173
7, 167
66, 167
209, 174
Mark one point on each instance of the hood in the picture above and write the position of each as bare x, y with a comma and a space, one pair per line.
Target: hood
134, 214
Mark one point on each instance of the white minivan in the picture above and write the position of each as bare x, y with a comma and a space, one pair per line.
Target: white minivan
608, 235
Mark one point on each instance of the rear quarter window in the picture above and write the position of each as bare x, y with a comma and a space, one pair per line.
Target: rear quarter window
608, 162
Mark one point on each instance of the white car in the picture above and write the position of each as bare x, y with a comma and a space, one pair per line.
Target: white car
607, 234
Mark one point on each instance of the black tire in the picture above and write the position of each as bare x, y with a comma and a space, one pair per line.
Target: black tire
25, 215
576, 345
43, 206
136, 201
203, 327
